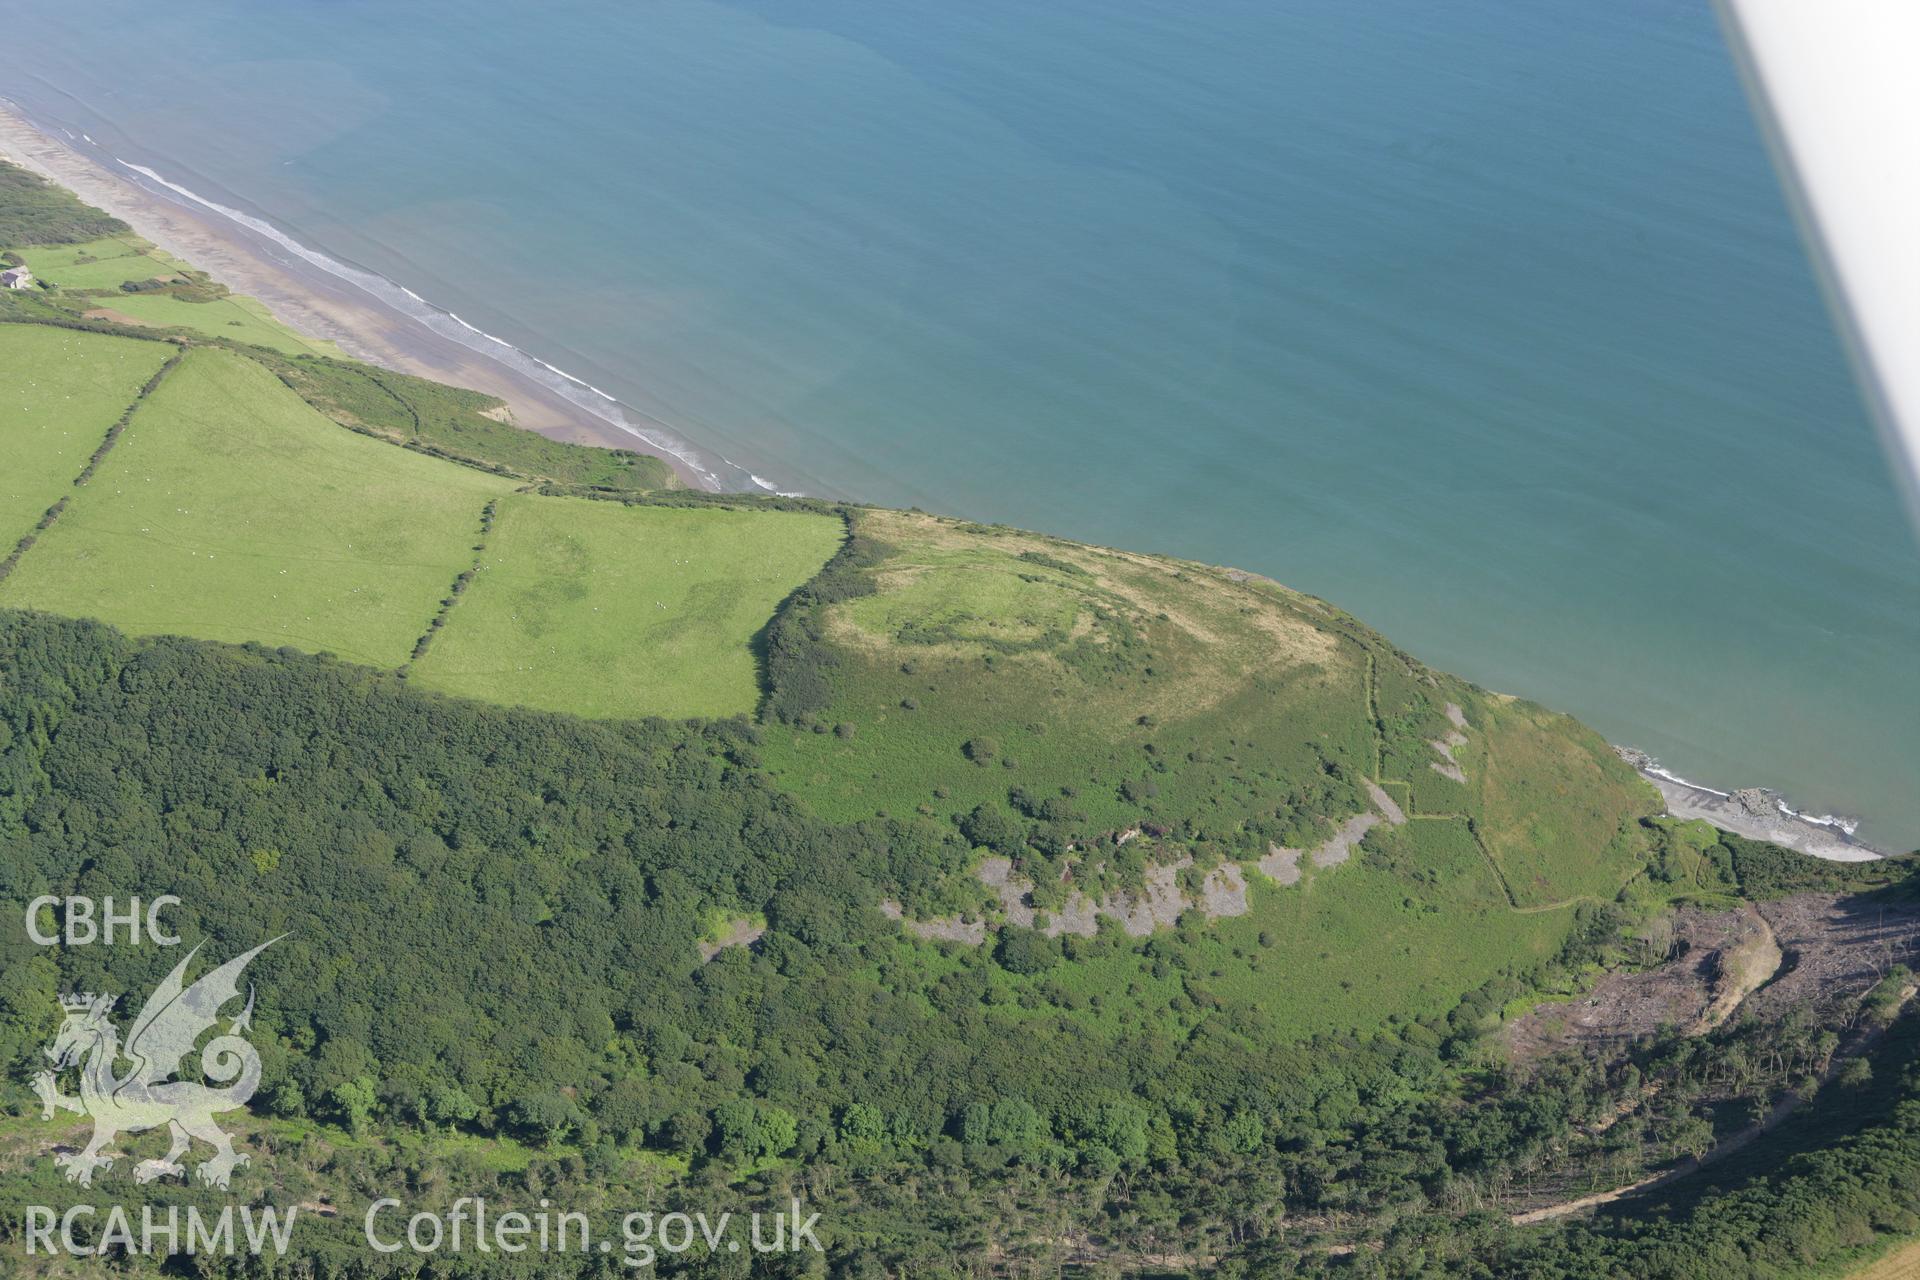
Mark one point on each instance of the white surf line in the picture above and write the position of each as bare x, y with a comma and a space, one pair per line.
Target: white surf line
424, 312
765, 483
1847, 825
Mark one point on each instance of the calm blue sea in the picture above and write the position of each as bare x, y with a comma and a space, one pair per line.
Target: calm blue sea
1483, 319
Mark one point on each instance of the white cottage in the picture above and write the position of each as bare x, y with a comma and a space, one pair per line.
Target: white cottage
15, 278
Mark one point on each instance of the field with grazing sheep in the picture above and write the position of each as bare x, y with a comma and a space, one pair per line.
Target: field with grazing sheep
231, 510
59, 393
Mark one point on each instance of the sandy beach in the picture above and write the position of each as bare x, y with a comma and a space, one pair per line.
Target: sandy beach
324, 306
311, 301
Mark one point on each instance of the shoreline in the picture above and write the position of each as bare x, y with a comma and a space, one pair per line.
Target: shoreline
321, 305
1755, 813
328, 300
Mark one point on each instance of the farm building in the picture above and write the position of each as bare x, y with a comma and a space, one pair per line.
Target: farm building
16, 278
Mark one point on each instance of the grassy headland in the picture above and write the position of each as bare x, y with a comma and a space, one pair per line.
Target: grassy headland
774, 847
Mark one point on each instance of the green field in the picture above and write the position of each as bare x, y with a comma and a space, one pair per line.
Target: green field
59, 393
230, 510
108, 263
100, 264
236, 317
604, 609
700, 951
1074, 690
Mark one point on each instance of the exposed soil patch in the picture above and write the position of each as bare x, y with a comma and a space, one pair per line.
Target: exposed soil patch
1717, 958
1447, 766
118, 317
1158, 904
1385, 804
1741, 970
1834, 949
943, 929
1338, 849
737, 933
1162, 898
1224, 892
1282, 866
1817, 950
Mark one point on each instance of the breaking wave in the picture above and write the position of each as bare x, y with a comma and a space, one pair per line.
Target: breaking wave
577, 391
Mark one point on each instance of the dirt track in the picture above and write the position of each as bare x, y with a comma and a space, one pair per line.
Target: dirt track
1815, 951
1901, 1264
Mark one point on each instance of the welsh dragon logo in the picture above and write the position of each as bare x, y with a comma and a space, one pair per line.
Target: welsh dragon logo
143, 1095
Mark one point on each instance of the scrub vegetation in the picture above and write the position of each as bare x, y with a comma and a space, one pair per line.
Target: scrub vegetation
33, 212
1021, 905
460, 425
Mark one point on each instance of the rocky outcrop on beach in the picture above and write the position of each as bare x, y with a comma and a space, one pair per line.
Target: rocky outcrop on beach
1754, 812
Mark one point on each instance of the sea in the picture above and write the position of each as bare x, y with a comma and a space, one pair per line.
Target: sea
1485, 320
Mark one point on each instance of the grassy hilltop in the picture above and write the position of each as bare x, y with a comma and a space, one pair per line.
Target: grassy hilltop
1093, 718
630, 841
